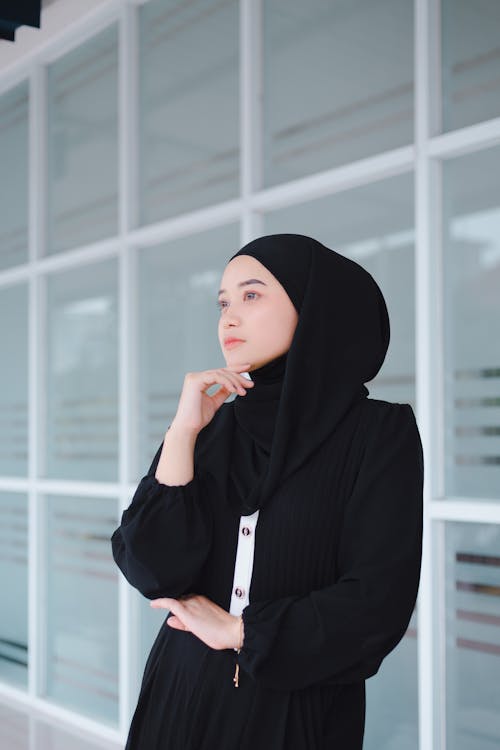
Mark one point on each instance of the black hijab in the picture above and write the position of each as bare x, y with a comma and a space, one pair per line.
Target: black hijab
253, 430
300, 398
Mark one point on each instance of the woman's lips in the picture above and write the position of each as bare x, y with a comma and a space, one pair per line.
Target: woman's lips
232, 342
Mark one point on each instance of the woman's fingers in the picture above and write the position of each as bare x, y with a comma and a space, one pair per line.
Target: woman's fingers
163, 603
231, 381
196, 408
227, 381
174, 622
239, 383
220, 396
197, 614
174, 606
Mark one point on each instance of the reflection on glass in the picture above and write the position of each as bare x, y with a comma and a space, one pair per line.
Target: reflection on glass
471, 62
83, 144
14, 176
392, 698
189, 104
373, 225
14, 588
82, 379
82, 611
472, 309
472, 636
14, 380
338, 83
178, 321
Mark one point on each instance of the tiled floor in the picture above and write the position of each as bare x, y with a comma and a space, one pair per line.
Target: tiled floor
21, 729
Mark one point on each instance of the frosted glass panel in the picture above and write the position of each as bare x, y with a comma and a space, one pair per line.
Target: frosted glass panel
392, 698
338, 82
189, 105
82, 594
14, 176
83, 144
82, 377
373, 225
472, 340
178, 321
471, 61
473, 636
14, 380
14, 588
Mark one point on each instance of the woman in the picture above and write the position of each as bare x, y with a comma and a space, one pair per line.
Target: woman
282, 530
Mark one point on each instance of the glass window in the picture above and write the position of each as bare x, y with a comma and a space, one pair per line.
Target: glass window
392, 698
81, 434
472, 319
14, 148
14, 380
82, 606
472, 636
373, 225
189, 106
14, 588
338, 83
178, 320
83, 144
471, 62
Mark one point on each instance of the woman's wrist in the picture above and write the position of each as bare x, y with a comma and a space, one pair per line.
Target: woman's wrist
182, 430
238, 632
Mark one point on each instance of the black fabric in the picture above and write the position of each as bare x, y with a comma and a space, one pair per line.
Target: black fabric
337, 544
253, 432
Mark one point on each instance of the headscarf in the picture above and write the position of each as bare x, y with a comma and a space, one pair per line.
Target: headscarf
299, 399
253, 431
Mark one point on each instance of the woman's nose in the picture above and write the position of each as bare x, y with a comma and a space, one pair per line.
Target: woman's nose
231, 319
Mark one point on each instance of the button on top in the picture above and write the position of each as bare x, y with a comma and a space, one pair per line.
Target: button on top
246, 531
239, 592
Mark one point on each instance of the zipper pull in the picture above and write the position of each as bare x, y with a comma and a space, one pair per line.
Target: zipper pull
237, 668
236, 675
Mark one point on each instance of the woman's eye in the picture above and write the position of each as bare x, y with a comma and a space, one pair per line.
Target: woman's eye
222, 303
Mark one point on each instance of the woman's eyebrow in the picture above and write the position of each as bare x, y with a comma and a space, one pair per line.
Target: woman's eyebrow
243, 283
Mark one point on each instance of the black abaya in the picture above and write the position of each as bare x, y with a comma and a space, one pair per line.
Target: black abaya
336, 558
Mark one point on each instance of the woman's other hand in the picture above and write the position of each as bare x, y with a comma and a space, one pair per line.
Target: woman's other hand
199, 615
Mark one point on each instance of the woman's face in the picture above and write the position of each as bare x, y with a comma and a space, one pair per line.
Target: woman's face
259, 313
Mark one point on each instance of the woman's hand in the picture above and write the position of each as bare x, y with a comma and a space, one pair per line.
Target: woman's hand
199, 615
196, 408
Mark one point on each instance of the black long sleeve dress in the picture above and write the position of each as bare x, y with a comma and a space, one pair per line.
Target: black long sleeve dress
332, 585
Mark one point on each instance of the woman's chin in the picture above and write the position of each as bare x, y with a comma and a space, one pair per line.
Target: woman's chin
235, 360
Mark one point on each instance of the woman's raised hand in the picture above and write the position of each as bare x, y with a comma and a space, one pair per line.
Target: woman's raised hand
196, 408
